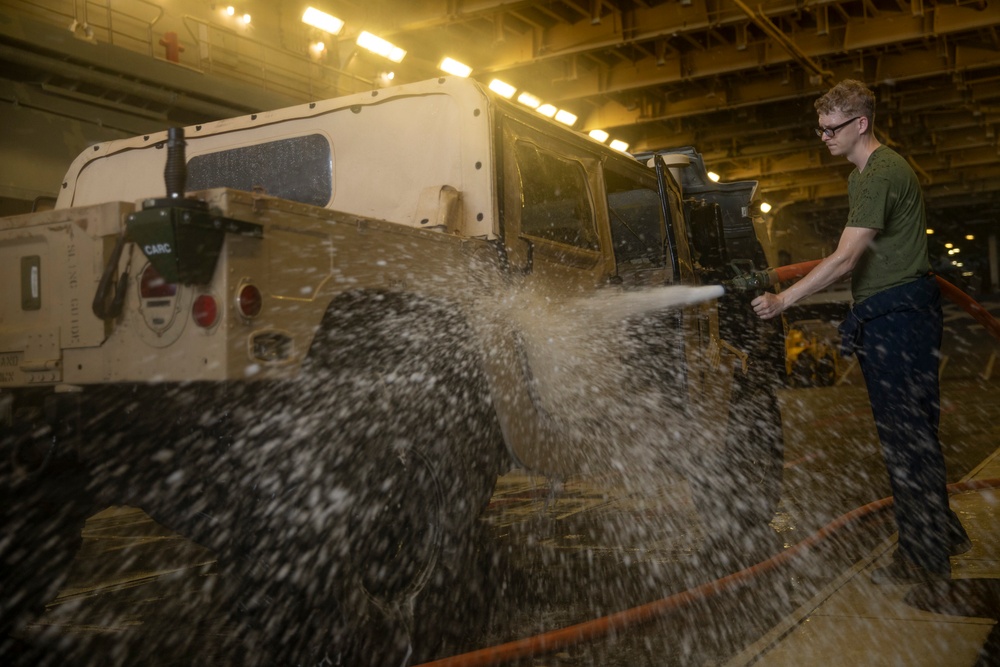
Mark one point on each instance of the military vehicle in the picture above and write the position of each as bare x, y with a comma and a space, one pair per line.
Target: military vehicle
311, 338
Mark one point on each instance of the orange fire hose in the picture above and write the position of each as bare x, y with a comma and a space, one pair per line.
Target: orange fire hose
792, 271
576, 634
781, 274
971, 306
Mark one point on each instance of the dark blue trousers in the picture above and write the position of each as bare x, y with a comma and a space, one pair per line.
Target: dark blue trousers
897, 337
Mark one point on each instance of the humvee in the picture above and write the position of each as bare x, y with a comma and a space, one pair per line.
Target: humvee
311, 338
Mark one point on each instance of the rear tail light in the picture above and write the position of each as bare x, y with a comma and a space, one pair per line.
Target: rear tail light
153, 286
249, 300
205, 311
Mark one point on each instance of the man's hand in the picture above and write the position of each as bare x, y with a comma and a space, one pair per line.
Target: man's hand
768, 305
854, 241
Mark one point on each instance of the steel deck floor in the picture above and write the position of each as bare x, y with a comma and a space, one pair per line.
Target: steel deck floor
561, 553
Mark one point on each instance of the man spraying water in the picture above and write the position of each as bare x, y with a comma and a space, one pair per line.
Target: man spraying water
895, 328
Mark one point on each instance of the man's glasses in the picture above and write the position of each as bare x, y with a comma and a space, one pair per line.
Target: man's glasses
828, 132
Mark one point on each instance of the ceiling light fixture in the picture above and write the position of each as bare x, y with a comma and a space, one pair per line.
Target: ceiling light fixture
452, 66
547, 110
529, 100
619, 145
565, 117
322, 20
598, 135
502, 88
381, 47
712, 176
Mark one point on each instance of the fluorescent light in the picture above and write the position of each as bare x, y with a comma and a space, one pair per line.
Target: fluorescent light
599, 135
529, 100
949, 245
246, 19
712, 176
502, 88
565, 117
379, 46
764, 207
930, 231
322, 20
452, 66
230, 10
970, 237
619, 145
547, 110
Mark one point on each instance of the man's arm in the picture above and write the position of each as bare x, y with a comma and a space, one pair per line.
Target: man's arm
853, 243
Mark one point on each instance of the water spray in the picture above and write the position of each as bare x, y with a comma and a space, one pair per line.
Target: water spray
616, 306
549, 642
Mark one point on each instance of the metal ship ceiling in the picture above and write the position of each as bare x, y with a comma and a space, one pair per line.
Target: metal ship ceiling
736, 79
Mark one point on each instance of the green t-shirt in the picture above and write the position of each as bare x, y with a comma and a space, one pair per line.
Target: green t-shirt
886, 196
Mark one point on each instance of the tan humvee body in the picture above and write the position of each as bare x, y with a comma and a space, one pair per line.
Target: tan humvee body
408, 190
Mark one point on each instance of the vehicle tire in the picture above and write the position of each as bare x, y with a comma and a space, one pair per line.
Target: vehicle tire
738, 486
366, 505
44, 504
754, 451
804, 371
826, 371
738, 489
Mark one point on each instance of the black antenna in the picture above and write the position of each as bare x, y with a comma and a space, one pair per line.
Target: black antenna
175, 173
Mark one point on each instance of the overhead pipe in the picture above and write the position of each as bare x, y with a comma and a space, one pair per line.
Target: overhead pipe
774, 32
117, 83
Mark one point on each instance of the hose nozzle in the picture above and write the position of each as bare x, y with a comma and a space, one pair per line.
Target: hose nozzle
752, 281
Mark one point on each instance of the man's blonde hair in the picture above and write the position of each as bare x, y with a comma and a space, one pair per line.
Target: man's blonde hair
850, 97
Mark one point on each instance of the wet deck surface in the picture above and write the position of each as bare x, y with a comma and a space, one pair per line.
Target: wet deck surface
559, 554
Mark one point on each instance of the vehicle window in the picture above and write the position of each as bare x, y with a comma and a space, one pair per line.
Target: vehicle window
299, 169
555, 202
636, 217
